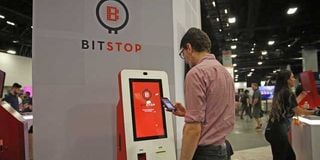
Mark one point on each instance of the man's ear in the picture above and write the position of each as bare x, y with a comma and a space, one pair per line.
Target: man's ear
188, 47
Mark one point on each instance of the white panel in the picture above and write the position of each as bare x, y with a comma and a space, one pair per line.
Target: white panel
17, 68
76, 90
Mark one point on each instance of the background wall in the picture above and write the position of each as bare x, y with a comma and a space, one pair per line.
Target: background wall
18, 69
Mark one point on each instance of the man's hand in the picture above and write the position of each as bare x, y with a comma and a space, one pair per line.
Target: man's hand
180, 110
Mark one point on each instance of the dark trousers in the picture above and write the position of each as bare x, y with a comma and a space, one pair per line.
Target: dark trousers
277, 135
211, 152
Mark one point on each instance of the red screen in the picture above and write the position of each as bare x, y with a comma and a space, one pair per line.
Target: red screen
148, 113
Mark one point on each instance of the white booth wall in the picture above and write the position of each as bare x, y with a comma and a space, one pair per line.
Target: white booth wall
76, 90
18, 69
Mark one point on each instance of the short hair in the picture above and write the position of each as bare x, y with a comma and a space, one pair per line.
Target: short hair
246, 91
198, 39
16, 85
255, 84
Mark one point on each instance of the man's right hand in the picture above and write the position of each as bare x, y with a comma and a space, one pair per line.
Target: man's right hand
180, 110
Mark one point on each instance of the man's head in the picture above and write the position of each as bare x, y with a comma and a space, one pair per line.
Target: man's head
16, 88
194, 43
254, 86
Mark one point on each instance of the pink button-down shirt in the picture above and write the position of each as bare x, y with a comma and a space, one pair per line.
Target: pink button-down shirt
210, 99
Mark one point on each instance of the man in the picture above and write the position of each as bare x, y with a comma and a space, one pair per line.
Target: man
12, 96
245, 104
209, 98
256, 104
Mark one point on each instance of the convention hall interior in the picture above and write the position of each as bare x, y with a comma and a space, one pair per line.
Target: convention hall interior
254, 39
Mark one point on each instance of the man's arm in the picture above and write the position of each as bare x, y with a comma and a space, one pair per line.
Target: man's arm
190, 140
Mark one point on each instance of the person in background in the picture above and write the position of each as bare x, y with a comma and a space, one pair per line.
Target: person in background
210, 101
284, 106
256, 105
12, 96
27, 103
245, 104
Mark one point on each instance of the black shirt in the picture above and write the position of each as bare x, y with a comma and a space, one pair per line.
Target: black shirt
286, 104
12, 100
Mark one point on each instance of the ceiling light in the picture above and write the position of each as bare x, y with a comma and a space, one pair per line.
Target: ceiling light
234, 65
220, 30
271, 42
2, 17
254, 44
214, 3
249, 75
264, 52
15, 41
292, 10
289, 45
274, 71
252, 69
217, 19
236, 79
31, 27
11, 23
11, 51
234, 56
237, 75
233, 47
235, 71
251, 51
225, 11
227, 24
259, 63
232, 20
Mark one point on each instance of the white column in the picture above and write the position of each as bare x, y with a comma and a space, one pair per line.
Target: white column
310, 60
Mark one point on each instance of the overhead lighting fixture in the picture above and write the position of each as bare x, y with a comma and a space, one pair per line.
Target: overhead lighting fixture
214, 3
236, 79
292, 10
271, 42
235, 71
234, 56
220, 30
217, 19
31, 27
249, 75
225, 11
260, 63
11, 51
15, 41
252, 69
2, 16
235, 39
264, 52
251, 51
274, 71
233, 47
11, 23
227, 24
232, 20
254, 44
289, 45
237, 75
234, 65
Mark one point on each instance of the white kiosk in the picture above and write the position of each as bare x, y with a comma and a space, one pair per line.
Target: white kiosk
144, 128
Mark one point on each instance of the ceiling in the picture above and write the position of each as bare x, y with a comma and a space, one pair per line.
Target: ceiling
257, 22
17, 37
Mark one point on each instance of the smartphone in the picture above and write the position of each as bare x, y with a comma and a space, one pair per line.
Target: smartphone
166, 102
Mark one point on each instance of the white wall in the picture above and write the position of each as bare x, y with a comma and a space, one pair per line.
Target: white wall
18, 69
186, 14
76, 90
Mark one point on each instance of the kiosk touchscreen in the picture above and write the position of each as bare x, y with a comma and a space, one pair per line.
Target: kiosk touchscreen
144, 128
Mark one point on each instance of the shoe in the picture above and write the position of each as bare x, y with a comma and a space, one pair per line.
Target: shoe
259, 127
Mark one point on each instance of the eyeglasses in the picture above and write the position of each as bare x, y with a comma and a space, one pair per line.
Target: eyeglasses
181, 54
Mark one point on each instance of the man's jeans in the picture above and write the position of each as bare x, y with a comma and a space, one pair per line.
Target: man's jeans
211, 152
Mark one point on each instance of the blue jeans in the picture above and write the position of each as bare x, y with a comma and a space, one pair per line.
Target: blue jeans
211, 152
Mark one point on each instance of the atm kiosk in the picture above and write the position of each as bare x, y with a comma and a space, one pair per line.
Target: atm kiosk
305, 134
13, 131
144, 128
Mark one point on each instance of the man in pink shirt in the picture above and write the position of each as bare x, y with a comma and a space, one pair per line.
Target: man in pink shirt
209, 98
